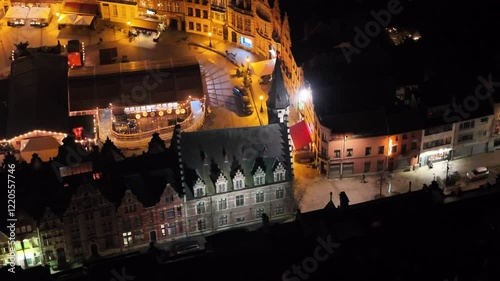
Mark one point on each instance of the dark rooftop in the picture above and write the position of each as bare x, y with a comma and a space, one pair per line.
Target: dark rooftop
237, 149
123, 84
42, 79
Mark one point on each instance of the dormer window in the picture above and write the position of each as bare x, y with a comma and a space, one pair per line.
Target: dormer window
279, 173
199, 188
259, 178
221, 184
239, 180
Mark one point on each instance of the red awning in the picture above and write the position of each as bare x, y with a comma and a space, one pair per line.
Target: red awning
300, 135
74, 59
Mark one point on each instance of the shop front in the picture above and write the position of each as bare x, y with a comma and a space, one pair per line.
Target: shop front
246, 42
435, 155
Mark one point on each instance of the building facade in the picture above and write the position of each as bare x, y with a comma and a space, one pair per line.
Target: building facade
437, 143
90, 224
472, 136
377, 145
248, 174
494, 142
52, 238
118, 11
25, 249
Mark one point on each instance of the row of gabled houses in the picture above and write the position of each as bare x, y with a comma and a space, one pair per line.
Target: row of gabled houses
116, 204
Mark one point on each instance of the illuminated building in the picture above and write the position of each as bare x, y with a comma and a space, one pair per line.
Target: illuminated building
131, 101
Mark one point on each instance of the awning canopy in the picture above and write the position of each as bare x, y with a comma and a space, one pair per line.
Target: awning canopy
145, 24
66, 19
83, 20
265, 67
39, 13
74, 59
300, 135
75, 19
16, 12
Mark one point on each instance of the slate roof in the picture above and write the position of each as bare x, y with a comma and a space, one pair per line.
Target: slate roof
206, 154
278, 95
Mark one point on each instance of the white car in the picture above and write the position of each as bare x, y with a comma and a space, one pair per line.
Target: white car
478, 173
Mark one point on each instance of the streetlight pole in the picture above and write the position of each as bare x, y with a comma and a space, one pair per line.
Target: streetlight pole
128, 23
261, 108
248, 65
210, 37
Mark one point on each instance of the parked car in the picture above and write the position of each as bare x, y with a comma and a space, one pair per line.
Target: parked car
184, 247
478, 173
240, 91
246, 105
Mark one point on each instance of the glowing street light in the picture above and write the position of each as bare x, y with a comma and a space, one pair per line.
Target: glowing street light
210, 36
128, 23
248, 64
261, 108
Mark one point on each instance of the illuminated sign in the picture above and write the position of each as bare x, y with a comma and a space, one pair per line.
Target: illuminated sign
151, 12
246, 42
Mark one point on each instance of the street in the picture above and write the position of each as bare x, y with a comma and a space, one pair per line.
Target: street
315, 189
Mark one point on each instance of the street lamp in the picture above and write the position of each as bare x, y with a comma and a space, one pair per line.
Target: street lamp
248, 64
261, 108
128, 23
210, 36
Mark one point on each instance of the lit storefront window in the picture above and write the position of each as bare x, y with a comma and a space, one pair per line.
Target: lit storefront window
246, 42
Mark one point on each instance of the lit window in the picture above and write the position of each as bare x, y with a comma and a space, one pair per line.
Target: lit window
127, 238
